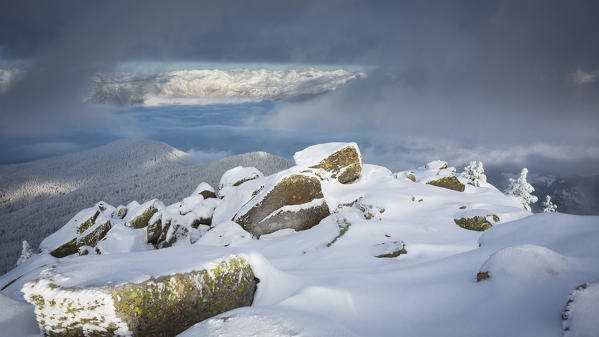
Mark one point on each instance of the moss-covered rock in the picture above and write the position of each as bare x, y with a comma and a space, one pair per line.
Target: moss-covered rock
345, 165
295, 201
143, 218
91, 237
476, 223
88, 233
154, 230
411, 177
451, 183
161, 306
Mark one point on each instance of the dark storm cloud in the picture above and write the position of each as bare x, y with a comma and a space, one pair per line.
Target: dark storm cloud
490, 72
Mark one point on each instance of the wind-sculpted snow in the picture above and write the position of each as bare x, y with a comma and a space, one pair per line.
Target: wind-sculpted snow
214, 86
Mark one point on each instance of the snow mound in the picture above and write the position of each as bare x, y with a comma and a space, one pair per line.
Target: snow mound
250, 322
580, 314
214, 86
16, 318
526, 263
238, 175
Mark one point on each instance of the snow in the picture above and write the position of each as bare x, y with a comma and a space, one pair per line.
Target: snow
203, 186
68, 231
122, 239
237, 174
582, 312
327, 281
527, 263
314, 154
265, 322
16, 318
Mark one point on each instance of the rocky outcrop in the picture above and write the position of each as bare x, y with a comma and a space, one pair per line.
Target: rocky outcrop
140, 216
451, 183
86, 228
293, 200
477, 223
161, 306
340, 161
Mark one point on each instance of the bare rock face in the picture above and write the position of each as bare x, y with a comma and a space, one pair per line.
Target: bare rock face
161, 306
341, 161
477, 223
293, 200
451, 183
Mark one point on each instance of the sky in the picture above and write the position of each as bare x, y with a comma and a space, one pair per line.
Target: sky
513, 83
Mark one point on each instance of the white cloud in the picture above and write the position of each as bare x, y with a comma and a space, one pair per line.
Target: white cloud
581, 77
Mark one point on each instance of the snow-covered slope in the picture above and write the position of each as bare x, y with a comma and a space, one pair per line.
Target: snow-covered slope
37, 198
214, 86
390, 260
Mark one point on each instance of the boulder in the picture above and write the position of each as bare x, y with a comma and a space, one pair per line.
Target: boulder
154, 229
140, 216
86, 228
341, 161
451, 182
476, 223
235, 177
120, 212
290, 200
164, 305
579, 317
390, 249
205, 190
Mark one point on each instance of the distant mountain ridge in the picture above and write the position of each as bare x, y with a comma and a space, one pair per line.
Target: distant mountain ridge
38, 197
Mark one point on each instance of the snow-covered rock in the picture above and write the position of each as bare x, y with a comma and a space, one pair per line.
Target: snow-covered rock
86, 228
163, 304
580, 313
341, 161
235, 177
139, 217
288, 200
526, 263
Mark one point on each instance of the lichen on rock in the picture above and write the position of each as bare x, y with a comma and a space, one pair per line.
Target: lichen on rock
476, 223
340, 161
161, 306
294, 201
451, 182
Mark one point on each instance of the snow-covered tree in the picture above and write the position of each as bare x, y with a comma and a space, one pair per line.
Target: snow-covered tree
548, 206
475, 173
522, 190
25, 253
